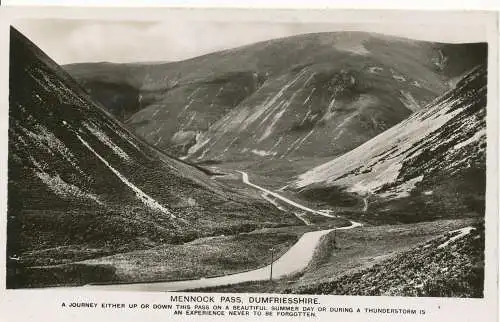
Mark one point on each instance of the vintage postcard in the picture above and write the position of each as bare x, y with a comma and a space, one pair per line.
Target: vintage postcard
177, 164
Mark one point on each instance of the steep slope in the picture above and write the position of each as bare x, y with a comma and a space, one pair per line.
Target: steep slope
449, 266
431, 165
324, 93
169, 115
81, 186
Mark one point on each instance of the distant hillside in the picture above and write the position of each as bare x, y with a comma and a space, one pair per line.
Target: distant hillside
82, 186
431, 165
322, 93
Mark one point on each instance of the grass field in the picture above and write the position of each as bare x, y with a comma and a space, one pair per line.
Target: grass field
203, 257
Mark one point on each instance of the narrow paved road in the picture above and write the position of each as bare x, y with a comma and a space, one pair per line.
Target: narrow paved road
293, 261
280, 197
365, 204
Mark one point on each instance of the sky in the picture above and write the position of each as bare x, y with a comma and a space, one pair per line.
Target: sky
71, 40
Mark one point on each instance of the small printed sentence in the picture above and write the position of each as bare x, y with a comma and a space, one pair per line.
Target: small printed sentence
260, 306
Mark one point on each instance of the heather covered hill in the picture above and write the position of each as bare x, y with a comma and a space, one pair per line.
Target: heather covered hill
80, 185
431, 165
451, 265
324, 93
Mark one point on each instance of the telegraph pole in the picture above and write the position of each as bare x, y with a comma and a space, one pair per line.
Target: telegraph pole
272, 260
335, 238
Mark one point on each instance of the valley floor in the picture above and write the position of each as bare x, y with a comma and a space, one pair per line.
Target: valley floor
336, 256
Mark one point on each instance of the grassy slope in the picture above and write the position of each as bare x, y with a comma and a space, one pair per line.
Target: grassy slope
66, 205
446, 163
456, 270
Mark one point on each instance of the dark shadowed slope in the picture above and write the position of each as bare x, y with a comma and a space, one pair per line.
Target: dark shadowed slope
80, 185
431, 165
324, 93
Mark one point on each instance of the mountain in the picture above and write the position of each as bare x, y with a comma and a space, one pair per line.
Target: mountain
80, 185
431, 165
321, 94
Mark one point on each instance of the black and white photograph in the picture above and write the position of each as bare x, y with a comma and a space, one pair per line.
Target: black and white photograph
282, 157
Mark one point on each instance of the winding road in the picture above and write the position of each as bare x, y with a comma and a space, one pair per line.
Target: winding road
365, 204
293, 261
244, 176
